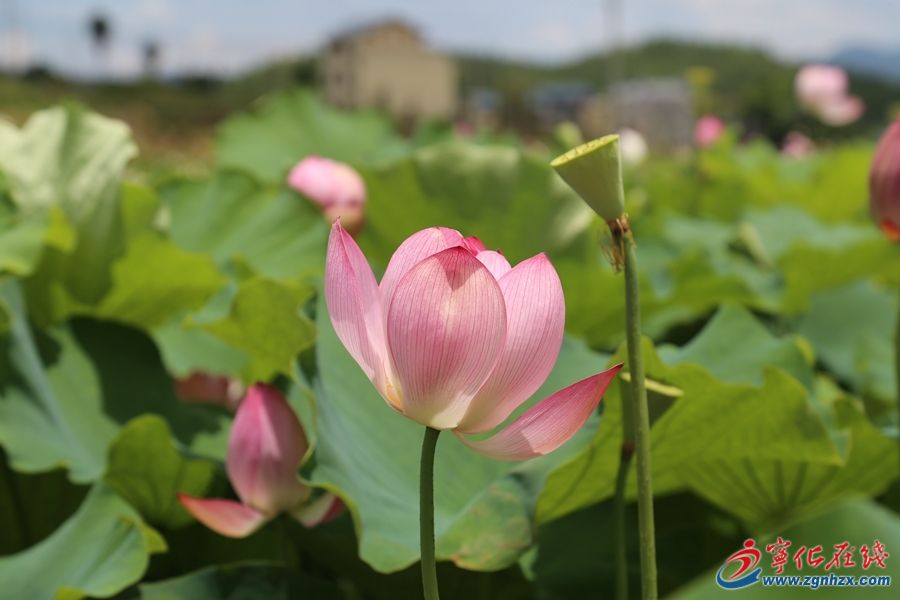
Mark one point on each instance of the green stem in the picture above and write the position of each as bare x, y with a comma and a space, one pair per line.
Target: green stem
619, 532
426, 514
641, 420
620, 529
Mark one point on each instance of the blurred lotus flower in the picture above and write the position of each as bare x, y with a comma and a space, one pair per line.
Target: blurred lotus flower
464, 129
210, 389
884, 183
708, 130
265, 448
841, 111
334, 186
797, 145
632, 146
455, 338
822, 89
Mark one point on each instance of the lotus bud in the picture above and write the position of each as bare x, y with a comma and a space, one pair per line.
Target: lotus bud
884, 183
708, 130
797, 145
336, 187
633, 147
265, 449
204, 388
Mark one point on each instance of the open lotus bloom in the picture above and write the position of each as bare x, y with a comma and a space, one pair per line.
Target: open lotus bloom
884, 183
455, 338
822, 89
334, 186
265, 448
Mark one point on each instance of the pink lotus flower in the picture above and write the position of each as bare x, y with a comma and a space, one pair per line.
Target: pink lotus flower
708, 130
797, 145
265, 448
841, 111
334, 186
822, 89
455, 338
204, 388
884, 183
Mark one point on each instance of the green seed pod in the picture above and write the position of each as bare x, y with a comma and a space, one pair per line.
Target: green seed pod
594, 171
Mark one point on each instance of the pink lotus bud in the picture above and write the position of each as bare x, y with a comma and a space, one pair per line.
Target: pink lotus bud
797, 145
884, 183
456, 338
265, 449
822, 90
334, 186
708, 130
204, 388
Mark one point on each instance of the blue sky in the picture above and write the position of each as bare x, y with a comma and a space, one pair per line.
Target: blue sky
230, 35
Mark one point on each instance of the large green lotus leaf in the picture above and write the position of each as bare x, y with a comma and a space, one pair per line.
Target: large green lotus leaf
267, 324
232, 216
66, 392
837, 190
72, 159
696, 417
766, 494
785, 226
294, 124
147, 469
23, 236
574, 557
810, 270
849, 328
32, 506
856, 521
369, 455
156, 281
186, 350
715, 349
242, 580
102, 549
512, 200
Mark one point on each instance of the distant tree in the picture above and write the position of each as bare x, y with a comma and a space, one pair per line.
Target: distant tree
100, 31
151, 53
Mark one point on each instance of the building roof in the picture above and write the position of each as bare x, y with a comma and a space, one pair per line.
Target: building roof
361, 29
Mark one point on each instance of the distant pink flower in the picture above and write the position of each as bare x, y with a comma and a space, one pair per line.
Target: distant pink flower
884, 183
210, 389
464, 129
334, 186
708, 130
265, 448
841, 111
797, 145
455, 338
822, 90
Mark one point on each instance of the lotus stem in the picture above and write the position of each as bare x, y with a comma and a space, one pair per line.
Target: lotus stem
426, 514
620, 529
639, 409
